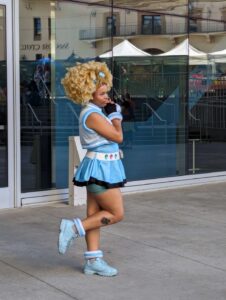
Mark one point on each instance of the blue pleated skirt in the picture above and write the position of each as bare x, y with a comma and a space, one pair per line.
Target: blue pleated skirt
110, 174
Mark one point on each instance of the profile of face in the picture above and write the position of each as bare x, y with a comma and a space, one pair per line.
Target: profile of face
100, 96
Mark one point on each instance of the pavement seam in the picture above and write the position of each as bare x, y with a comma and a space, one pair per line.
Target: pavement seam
39, 279
169, 252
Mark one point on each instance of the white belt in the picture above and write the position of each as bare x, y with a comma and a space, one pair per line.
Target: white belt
103, 156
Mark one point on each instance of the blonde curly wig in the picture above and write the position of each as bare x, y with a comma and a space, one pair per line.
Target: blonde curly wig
81, 81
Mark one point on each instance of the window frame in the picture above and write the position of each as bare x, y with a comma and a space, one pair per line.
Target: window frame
151, 29
37, 28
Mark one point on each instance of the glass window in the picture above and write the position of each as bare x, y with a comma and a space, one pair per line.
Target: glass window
152, 91
173, 103
151, 24
207, 88
37, 29
70, 34
49, 28
157, 24
111, 25
193, 26
3, 101
147, 24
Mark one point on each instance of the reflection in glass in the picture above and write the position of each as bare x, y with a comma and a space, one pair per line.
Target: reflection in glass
48, 118
207, 107
164, 133
111, 25
37, 29
151, 24
176, 7
151, 91
3, 101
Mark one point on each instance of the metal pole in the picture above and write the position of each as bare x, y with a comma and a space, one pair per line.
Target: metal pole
193, 156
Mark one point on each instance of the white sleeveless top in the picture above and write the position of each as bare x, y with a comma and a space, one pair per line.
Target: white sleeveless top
90, 138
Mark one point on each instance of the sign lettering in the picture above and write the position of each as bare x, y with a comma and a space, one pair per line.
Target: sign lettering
46, 46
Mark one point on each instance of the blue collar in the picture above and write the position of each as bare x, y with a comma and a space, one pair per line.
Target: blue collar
94, 106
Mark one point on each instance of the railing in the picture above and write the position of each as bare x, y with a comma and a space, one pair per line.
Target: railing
196, 120
128, 30
70, 106
194, 169
211, 105
47, 91
152, 119
139, 96
172, 27
34, 116
43, 89
158, 86
170, 112
206, 26
211, 115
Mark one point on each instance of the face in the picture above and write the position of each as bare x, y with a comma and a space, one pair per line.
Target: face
100, 97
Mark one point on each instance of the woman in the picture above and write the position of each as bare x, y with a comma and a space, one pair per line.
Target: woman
101, 170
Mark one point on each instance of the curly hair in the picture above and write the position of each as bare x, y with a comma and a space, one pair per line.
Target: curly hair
81, 81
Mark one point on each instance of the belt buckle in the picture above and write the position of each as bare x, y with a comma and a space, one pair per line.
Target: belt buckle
121, 154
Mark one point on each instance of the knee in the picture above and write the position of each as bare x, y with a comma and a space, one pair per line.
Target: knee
118, 217
115, 218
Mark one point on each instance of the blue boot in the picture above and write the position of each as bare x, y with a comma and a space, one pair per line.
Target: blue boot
99, 267
66, 236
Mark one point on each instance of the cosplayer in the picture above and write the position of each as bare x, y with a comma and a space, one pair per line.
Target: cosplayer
101, 170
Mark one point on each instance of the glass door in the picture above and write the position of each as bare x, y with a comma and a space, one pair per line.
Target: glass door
6, 108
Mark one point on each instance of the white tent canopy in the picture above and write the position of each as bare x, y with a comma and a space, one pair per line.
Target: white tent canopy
218, 56
125, 49
196, 56
185, 48
218, 53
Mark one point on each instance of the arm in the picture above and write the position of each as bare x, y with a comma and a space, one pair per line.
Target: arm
112, 132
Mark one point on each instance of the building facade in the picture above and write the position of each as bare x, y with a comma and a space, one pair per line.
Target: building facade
175, 129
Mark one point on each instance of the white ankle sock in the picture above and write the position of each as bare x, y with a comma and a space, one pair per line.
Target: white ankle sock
92, 255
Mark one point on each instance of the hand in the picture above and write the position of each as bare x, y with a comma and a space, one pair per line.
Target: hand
113, 111
110, 108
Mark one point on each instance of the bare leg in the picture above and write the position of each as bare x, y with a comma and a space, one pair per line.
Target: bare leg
112, 211
103, 209
92, 235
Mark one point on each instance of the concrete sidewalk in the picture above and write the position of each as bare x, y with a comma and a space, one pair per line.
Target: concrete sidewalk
171, 246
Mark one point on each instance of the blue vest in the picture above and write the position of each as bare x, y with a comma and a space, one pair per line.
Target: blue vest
90, 138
